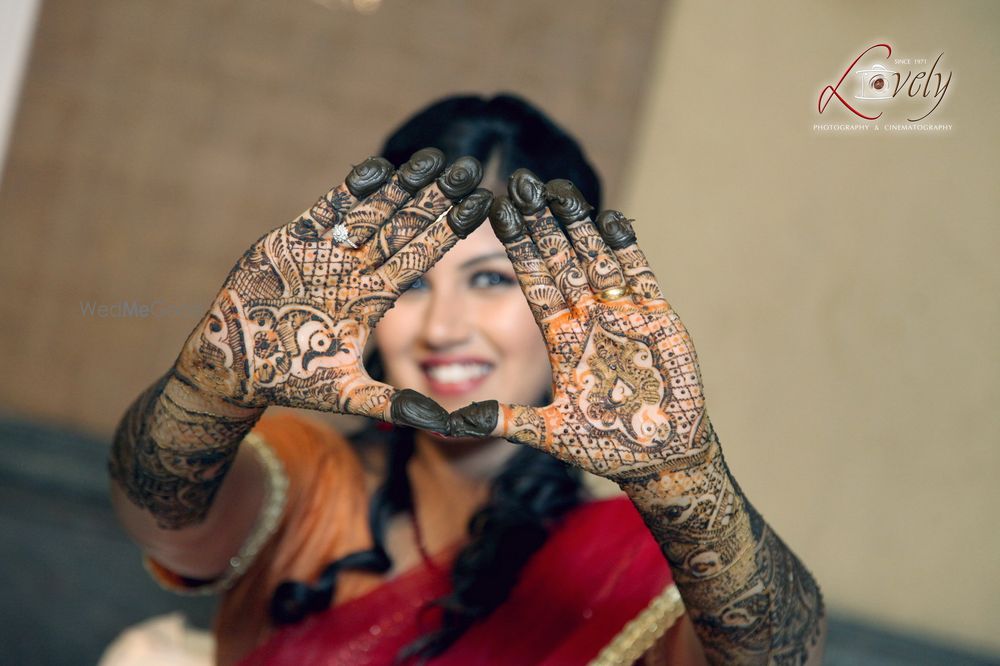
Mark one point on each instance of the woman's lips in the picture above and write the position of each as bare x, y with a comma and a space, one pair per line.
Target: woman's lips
455, 376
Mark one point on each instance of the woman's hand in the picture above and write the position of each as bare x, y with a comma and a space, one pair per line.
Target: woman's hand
290, 323
628, 405
627, 392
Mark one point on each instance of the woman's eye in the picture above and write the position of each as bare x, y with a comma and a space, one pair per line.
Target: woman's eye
419, 285
486, 279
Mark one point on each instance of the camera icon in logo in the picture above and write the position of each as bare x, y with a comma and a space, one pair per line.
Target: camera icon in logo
875, 82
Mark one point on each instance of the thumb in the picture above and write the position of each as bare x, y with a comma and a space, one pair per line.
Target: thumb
410, 408
518, 423
478, 419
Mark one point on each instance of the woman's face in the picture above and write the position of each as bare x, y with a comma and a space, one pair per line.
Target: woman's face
464, 332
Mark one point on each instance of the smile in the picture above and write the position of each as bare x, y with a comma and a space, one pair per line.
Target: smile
455, 377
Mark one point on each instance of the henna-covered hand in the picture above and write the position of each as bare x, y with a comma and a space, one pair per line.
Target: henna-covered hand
626, 386
289, 327
628, 405
290, 324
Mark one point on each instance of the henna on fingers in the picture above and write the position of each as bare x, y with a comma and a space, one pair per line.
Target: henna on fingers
416, 410
292, 320
527, 193
460, 177
403, 268
628, 405
478, 419
543, 295
289, 326
617, 231
330, 209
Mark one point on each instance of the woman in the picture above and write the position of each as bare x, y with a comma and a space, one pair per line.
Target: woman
334, 554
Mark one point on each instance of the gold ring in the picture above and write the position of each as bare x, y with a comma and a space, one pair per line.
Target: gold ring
611, 294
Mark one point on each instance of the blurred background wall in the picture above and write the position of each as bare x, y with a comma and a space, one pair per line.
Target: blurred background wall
156, 139
841, 287
17, 23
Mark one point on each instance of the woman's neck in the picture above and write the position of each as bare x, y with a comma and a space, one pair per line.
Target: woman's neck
450, 481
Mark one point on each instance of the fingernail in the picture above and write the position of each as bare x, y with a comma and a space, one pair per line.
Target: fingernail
615, 229
506, 221
464, 217
476, 420
566, 202
526, 191
422, 168
369, 176
460, 177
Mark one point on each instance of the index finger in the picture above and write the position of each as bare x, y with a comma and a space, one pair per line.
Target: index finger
330, 209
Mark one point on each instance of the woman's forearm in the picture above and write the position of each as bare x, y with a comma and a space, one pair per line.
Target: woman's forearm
752, 601
173, 448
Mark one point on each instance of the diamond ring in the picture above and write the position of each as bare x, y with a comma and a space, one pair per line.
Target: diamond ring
340, 236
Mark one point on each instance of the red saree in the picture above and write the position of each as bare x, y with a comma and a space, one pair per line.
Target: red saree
600, 570
599, 586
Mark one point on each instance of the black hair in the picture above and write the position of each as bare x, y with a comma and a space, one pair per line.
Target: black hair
505, 128
533, 490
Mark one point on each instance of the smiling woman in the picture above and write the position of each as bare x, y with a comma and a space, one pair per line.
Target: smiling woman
545, 328
465, 332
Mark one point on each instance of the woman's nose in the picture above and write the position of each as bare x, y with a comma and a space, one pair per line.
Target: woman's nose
446, 320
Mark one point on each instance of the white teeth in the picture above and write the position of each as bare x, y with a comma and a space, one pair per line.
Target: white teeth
454, 373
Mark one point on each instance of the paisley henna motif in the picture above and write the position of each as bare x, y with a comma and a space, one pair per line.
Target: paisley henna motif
620, 388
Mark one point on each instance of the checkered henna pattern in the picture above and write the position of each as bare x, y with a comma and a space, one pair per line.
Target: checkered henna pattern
628, 405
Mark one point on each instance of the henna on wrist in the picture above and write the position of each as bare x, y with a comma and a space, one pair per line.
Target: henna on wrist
173, 448
750, 599
628, 404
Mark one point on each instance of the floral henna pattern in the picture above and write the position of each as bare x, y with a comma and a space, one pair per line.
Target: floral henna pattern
621, 390
290, 324
628, 405
289, 327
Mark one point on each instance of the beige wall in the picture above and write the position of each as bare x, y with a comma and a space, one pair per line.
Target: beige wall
17, 25
842, 291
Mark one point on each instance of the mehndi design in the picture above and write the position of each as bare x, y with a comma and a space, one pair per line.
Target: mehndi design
289, 327
628, 405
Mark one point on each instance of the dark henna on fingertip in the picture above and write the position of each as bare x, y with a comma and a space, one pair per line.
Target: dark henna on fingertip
421, 169
505, 220
368, 176
466, 216
526, 191
460, 177
615, 229
566, 202
478, 419
416, 410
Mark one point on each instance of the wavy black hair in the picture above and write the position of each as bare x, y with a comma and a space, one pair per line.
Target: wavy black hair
533, 490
